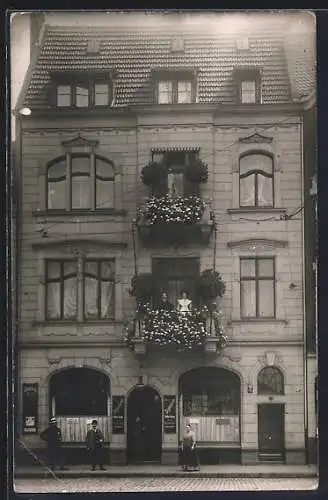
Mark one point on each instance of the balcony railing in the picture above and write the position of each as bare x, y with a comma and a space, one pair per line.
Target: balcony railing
180, 220
195, 330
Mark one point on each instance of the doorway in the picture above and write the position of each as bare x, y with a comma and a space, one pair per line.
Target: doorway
271, 432
144, 432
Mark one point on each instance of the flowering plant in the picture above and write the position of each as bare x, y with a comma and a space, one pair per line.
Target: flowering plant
210, 285
186, 331
197, 171
142, 287
153, 173
163, 210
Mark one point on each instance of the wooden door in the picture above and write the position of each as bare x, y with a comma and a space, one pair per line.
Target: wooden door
271, 433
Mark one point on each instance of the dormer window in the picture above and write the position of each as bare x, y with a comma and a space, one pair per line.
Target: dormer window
248, 85
73, 92
175, 87
175, 92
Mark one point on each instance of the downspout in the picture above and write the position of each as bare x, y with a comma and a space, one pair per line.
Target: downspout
305, 367
15, 234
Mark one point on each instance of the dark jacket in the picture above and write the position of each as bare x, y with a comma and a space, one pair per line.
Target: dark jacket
94, 439
52, 435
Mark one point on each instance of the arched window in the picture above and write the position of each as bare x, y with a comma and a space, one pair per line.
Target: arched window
210, 392
270, 380
256, 180
79, 391
80, 182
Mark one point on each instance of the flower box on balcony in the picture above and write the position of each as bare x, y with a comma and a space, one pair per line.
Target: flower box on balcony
181, 220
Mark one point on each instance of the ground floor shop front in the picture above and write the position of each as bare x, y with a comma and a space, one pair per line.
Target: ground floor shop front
245, 404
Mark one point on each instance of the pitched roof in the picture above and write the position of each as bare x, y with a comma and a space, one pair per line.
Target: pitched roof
135, 52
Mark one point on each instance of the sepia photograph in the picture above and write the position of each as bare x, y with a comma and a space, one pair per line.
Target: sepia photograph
164, 250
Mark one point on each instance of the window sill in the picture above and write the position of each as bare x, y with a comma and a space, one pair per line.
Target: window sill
81, 212
69, 322
258, 320
256, 210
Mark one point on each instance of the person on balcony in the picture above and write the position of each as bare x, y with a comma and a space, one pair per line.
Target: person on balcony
184, 303
94, 441
53, 437
164, 304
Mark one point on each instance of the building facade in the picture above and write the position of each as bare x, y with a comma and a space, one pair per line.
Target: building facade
154, 158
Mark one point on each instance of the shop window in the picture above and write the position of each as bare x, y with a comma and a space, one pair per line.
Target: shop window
256, 180
257, 287
80, 182
270, 380
62, 289
79, 392
174, 276
210, 392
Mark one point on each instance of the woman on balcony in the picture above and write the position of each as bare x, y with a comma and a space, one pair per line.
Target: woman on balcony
184, 303
164, 304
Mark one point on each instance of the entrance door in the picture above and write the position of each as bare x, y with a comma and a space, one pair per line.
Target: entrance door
144, 437
271, 433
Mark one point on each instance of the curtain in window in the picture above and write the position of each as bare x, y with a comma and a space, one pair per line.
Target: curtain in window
247, 191
64, 95
248, 92
82, 96
248, 299
165, 92
175, 184
101, 94
81, 183
264, 191
98, 289
104, 184
184, 92
61, 290
57, 185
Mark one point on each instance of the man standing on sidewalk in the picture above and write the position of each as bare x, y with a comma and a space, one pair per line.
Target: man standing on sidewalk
53, 437
94, 441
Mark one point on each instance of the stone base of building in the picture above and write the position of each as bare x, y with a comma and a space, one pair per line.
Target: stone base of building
295, 457
249, 457
312, 451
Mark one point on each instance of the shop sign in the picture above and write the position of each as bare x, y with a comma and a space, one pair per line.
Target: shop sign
30, 408
118, 411
194, 421
222, 421
170, 414
72, 420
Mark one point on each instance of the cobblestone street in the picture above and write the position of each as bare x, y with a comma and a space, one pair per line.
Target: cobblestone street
161, 484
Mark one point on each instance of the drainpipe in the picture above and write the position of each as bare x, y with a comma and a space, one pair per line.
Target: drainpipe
15, 235
305, 367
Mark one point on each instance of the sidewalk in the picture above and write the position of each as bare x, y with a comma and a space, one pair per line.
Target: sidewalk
224, 471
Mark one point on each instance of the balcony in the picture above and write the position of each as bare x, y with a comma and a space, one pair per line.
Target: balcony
199, 330
183, 220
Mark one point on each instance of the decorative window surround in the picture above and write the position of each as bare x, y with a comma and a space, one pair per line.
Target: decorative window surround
255, 143
78, 250
79, 145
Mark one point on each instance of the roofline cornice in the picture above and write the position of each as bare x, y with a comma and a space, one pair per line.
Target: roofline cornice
177, 109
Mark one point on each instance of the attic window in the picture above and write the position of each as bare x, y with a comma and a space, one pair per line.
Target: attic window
248, 86
93, 46
175, 87
83, 92
243, 43
177, 44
